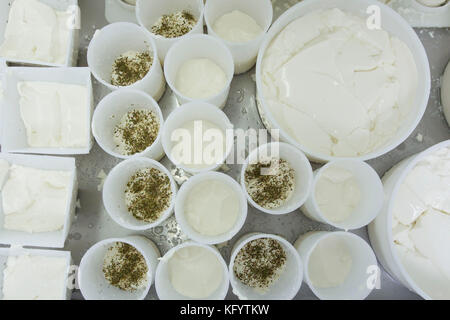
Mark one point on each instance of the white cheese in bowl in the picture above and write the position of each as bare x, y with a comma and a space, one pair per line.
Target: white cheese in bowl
421, 224
336, 87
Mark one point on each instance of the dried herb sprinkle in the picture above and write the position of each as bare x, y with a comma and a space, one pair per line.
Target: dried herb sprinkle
174, 25
131, 67
148, 194
125, 267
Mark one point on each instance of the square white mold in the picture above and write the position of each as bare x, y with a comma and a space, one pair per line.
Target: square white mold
54, 239
60, 5
14, 135
66, 293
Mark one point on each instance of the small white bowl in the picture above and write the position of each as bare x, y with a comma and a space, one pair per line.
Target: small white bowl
445, 92
181, 200
120, 11
192, 112
355, 287
109, 112
54, 239
285, 288
303, 175
114, 193
244, 54
115, 39
66, 292
372, 195
93, 284
166, 291
14, 136
392, 23
149, 11
199, 46
67, 6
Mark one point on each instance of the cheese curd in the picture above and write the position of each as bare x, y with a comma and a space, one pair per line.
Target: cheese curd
36, 32
236, 26
336, 87
421, 224
35, 200
55, 115
33, 277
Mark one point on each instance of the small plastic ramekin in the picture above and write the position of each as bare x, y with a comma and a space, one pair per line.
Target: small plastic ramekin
149, 11
194, 111
445, 92
109, 112
181, 200
120, 10
372, 195
114, 193
116, 39
166, 291
356, 286
285, 288
92, 282
303, 175
244, 53
199, 46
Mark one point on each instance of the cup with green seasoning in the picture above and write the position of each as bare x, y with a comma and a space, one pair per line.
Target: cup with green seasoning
122, 55
170, 20
139, 193
128, 123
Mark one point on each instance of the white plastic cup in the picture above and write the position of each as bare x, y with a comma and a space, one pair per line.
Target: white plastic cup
109, 112
92, 281
380, 230
166, 291
194, 111
303, 175
199, 46
357, 285
182, 198
244, 53
114, 193
445, 92
116, 39
120, 10
393, 23
149, 11
285, 288
371, 201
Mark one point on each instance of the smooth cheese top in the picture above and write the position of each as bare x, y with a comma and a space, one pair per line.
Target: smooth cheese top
36, 32
421, 224
336, 87
236, 26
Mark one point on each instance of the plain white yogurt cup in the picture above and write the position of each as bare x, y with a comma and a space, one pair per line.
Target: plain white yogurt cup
92, 282
115, 39
114, 193
244, 53
149, 11
284, 288
303, 175
393, 23
164, 287
194, 47
109, 113
194, 111
182, 198
357, 285
371, 201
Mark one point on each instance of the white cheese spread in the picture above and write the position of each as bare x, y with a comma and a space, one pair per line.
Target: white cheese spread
336, 87
35, 200
237, 26
55, 115
36, 32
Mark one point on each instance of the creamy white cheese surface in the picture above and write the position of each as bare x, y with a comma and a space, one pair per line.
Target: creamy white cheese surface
55, 115
236, 26
336, 87
195, 272
35, 200
36, 32
4, 169
337, 193
33, 277
421, 224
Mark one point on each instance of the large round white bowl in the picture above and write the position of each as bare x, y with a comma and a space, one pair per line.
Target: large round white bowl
380, 230
391, 22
